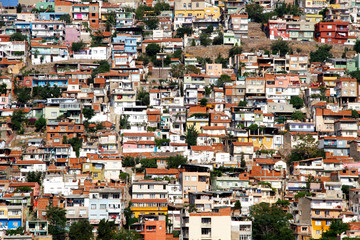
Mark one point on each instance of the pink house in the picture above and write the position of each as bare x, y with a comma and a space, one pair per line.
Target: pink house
34, 185
4, 100
72, 34
277, 30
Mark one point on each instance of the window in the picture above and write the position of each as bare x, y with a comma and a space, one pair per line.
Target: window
162, 196
116, 196
194, 178
102, 206
2, 213
205, 220
15, 224
93, 14
205, 231
328, 222
105, 196
318, 232
152, 196
93, 206
150, 228
150, 186
317, 212
318, 223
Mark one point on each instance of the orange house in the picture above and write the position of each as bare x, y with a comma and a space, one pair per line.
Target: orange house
55, 132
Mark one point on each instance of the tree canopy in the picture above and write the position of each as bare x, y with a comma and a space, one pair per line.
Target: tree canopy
270, 222
321, 54
280, 47
306, 147
175, 161
18, 37
180, 32
57, 221
81, 230
106, 230
191, 136
297, 102
152, 49
298, 115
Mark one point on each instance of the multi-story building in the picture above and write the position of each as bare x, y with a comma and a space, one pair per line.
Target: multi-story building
149, 197
48, 30
332, 32
106, 203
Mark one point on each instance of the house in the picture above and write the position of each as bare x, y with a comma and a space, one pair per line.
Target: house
214, 224
41, 54
149, 197
332, 32
106, 203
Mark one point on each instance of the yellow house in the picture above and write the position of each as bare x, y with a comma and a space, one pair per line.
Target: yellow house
96, 170
198, 120
149, 206
198, 9
314, 17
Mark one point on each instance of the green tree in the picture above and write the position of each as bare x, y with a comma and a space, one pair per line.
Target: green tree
3, 88
45, 92
66, 18
207, 90
124, 176
77, 46
337, 227
75, 142
180, 32
148, 163
129, 219
223, 61
242, 103
129, 162
18, 37
255, 12
110, 21
297, 102
219, 39
144, 98
40, 124
34, 177
354, 114
176, 161
281, 47
88, 113
204, 39
237, 205
152, 49
270, 222
235, 51
357, 46
124, 234
103, 67
222, 80
346, 190
106, 230
23, 94
18, 120
81, 230
97, 39
124, 122
242, 161
191, 136
321, 54
307, 147
57, 221
203, 102
298, 115
209, 29
18, 8
152, 23
161, 6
